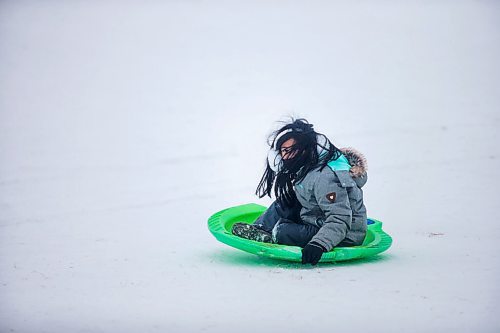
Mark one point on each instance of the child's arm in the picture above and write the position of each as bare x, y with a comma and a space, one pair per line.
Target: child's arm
331, 195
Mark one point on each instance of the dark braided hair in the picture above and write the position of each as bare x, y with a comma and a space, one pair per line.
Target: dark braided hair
294, 170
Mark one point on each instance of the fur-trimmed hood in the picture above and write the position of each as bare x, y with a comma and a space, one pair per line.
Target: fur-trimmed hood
356, 160
359, 165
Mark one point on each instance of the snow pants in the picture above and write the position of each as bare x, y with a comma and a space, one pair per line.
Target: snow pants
285, 225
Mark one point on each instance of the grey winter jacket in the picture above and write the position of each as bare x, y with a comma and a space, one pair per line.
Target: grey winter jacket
333, 201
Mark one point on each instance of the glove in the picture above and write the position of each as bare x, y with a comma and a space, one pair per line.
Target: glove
311, 253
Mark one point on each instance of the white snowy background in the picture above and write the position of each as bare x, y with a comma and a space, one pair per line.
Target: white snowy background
125, 124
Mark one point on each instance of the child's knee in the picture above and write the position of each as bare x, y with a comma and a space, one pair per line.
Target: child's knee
280, 231
276, 233
287, 232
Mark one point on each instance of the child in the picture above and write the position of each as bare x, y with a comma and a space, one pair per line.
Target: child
319, 201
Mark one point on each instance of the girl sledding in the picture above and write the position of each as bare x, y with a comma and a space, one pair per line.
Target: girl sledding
319, 203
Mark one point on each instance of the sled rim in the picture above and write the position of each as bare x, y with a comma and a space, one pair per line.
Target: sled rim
220, 224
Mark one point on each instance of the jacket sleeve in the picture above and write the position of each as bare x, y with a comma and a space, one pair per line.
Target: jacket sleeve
331, 195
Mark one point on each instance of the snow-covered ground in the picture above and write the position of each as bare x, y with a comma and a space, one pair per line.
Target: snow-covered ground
125, 124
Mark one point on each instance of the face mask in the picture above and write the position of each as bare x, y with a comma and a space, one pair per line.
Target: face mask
274, 160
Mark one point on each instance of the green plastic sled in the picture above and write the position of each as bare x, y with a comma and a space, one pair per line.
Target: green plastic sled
220, 224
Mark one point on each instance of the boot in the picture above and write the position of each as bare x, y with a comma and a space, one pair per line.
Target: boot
251, 232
